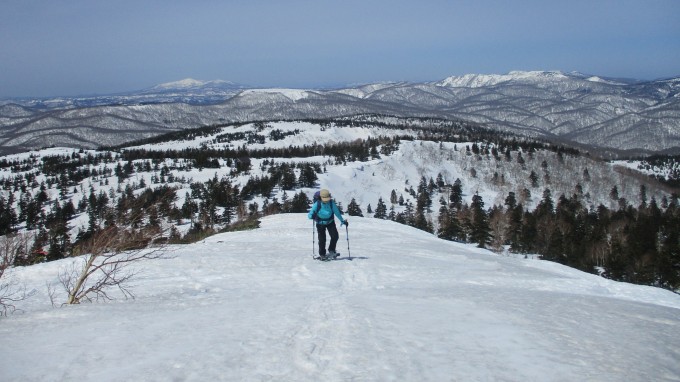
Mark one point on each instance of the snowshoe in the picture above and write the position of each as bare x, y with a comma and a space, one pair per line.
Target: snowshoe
328, 256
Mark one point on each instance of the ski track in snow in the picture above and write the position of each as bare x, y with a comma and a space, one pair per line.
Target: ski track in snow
254, 306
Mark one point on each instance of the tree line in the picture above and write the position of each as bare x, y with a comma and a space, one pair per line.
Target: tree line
639, 245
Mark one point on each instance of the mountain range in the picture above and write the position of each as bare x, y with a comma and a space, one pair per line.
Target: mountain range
636, 116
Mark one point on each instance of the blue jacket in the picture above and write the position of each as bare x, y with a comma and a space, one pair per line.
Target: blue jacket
324, 212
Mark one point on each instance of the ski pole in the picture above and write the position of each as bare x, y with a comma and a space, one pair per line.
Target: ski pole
313, 238
349, 254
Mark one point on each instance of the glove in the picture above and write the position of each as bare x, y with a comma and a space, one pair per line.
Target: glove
346, 223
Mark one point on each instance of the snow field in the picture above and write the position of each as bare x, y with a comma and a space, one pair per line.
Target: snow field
254, 306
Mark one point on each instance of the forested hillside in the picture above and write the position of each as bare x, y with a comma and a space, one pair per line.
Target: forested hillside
453, 179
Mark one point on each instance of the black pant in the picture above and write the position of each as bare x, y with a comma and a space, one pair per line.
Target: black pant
332, 231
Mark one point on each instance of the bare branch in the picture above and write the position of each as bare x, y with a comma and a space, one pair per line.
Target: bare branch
108, 257
51, 293
108, 263
11, 290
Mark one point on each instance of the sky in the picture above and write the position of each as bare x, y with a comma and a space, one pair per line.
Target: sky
81, 47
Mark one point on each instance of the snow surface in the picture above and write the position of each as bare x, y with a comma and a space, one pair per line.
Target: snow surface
602, 80
254, 306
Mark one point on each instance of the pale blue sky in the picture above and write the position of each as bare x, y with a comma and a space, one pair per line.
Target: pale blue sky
60, 47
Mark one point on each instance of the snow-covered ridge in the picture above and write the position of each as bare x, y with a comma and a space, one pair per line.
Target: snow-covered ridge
190, 83
482, 80
603, 81
253, 305
292, 94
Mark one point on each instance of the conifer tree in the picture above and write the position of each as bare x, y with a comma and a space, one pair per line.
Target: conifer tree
307, 177
481, 231
533, 177
380, 210
300, 203
456, 194
449, 227
514, 220
545, 224
353, 209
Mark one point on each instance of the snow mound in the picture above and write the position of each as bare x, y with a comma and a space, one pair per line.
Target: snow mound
254, 305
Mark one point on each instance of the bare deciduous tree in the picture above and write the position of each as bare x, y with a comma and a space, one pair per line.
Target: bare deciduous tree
498, 222
107, 263
11, 290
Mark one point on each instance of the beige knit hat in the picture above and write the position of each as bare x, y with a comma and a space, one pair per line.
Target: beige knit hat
325, 195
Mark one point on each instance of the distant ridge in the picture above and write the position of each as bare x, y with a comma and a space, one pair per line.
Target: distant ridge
193, 84
639, 117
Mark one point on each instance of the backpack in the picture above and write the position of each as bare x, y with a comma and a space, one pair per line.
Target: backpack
317, 198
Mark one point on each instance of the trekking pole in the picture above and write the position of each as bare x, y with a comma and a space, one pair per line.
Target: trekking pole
347, 235
313, 238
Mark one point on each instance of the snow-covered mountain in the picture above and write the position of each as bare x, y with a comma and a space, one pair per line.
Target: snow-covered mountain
190, 83
253, 306
188, 90
485, 80
191, 91
565, 107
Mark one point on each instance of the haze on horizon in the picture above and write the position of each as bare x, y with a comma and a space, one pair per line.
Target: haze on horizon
50, 48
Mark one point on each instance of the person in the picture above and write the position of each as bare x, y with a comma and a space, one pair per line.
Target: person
322, 212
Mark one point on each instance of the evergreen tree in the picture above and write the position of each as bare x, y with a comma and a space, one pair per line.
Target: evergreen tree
614, 193
481, 231
353, 209
38, 254
287, 180
300, 203
8, 216
307, 177
527, 243
440, 180
421, 222
456, 194
643, 196
533, 177
514, 220
59, 241
380, 210
449, 227
545, 225
393, 197
668, 260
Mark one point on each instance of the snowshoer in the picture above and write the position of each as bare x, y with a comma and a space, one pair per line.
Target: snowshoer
322, 212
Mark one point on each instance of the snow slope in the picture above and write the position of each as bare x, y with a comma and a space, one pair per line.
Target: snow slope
254, 306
